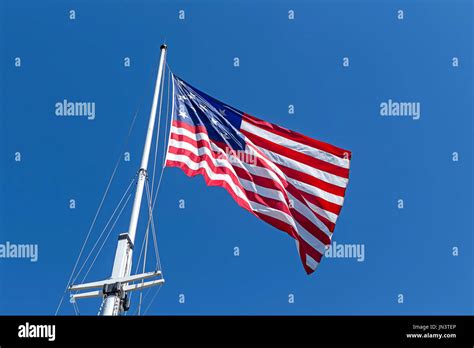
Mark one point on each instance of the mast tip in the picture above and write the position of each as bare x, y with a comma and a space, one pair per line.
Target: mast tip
164, 46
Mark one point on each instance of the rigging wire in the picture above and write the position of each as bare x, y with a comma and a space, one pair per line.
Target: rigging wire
153, 230
105, 240
140, 257
76, 311
104, 196
101, 306
138, 264
152, 299
157, 254
104, 229
144, 264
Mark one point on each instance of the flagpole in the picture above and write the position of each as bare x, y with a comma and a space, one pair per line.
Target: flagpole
116, 299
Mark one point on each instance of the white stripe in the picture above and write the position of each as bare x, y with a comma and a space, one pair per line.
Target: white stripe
316, 191
312, 263
306, 212
294, 145
189, 134
327, 214
275, 213
317, 173
263, 191
310, 239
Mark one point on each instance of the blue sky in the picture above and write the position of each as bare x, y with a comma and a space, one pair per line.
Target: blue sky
408, 251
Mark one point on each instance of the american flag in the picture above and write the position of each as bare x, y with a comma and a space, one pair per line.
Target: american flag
295, 183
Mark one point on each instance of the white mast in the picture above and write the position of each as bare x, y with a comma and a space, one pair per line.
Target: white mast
115, 290
123, 254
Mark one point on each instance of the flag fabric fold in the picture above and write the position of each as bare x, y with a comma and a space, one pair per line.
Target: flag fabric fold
295, 183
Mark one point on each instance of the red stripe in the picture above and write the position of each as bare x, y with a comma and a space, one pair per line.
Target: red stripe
298, 137
329, 224
191, 128
309, 226
311, 180
322, 203
297, 156
318, 201
194, 142
283, 226
305, 248
310, 250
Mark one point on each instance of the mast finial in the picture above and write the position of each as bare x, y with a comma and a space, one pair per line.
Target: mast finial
164, 46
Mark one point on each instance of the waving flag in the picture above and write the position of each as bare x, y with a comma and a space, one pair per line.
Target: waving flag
294, 183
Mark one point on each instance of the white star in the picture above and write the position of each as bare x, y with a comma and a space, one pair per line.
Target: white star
191, 95
183, 114
182, 97
222, 112
214, 121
